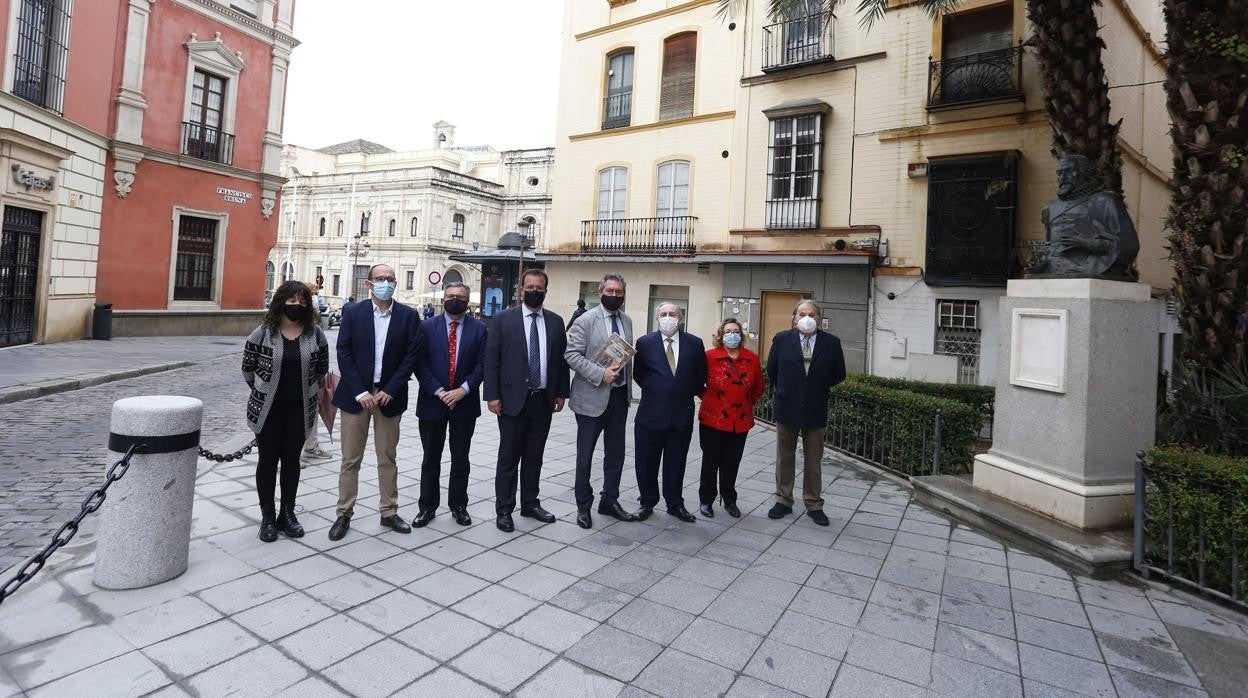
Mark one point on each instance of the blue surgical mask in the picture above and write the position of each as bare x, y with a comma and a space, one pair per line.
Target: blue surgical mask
384, 290
732, 340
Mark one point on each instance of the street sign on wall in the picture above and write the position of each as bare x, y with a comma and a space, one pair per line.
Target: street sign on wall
435, 277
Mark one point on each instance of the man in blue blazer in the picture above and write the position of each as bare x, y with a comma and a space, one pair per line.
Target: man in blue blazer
803, 365
670, 367
450, 365
375, 355
526, 382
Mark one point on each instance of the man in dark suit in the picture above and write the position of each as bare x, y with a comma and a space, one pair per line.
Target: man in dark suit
450, 366
526, 381
375, 359
670, 367
803, 365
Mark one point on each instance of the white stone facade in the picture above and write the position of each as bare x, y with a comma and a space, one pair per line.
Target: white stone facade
421, 207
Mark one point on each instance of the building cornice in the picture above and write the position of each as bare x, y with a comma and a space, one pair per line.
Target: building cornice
677, 9
671, 123
266, 179
812, 69
44, 116
1026, 118
242, 20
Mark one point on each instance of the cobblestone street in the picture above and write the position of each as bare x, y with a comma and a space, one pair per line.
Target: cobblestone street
893, 599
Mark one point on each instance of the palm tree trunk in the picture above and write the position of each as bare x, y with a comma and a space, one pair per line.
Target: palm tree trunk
1207, 95
1068, 48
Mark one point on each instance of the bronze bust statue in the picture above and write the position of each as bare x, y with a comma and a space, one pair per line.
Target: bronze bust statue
1088, 230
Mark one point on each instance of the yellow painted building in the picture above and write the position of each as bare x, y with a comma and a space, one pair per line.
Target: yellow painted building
737, 165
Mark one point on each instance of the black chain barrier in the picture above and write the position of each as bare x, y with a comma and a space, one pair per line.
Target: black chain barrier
227, 457
66, 533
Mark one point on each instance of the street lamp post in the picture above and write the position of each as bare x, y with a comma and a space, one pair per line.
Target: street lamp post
359, 247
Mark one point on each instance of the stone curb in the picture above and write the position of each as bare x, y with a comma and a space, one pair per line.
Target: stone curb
15, 393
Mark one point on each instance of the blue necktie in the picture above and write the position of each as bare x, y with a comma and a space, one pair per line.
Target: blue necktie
535, 356
615, 329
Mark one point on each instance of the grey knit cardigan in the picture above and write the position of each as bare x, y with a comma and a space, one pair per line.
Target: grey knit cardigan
262, 369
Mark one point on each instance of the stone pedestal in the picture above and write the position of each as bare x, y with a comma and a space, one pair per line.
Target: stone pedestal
145, 523
1075, 399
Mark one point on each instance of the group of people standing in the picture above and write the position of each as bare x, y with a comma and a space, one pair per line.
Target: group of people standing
526, 368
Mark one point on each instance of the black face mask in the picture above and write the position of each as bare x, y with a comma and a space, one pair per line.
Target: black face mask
534, 299
294, 313
455, 306
612, 303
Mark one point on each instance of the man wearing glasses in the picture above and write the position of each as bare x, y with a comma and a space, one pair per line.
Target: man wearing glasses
376, 356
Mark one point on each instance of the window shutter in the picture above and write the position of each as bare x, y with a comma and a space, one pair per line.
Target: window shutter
679, 67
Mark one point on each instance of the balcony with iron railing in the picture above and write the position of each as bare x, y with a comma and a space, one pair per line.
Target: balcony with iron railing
798, 41
991, 76
617, 110
206, 143
669, 235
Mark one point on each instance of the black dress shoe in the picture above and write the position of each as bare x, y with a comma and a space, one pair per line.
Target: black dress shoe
268, 528
706, 511
682, 514
339, 530
733, 511
583, 519
461, 516
779, 511
423, 517
538, 513
644, 513
613, 509
504, 523
818, 516
396, 524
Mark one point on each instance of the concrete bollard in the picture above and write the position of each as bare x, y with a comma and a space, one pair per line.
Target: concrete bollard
145, 524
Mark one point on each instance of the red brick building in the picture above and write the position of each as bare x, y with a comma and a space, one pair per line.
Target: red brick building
139, 145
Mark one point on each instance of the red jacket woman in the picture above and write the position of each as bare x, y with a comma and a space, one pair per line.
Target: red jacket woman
734, 382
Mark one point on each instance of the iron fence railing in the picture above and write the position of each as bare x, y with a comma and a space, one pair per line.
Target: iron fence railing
666, 235
617, 110
979, 77
1189, 530
205, 143
798, 41
905, 442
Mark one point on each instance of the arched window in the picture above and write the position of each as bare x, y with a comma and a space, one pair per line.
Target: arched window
270, 275
680, 54
457, 226
452, 277
612, 193
672, 197
392, 227
288, 271
321, 228
340, 228
617, 108
412, 231
364, 223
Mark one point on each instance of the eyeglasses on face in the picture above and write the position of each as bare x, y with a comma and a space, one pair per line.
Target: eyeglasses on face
381, 279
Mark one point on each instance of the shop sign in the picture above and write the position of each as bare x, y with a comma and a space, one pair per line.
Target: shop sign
234, 196
28, 178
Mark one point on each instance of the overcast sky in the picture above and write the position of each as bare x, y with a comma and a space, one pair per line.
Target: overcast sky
386, 70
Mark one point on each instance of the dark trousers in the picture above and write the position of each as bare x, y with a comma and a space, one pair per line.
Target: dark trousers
432, 439
721, 454
611, 425
522, 440
280, 439
671, 448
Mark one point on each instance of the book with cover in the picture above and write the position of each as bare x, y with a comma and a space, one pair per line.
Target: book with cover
616, 352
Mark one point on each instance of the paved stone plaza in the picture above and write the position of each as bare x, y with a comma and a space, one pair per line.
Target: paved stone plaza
891, 600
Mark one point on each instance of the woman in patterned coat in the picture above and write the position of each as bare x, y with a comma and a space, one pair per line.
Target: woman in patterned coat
284, 361
734, 382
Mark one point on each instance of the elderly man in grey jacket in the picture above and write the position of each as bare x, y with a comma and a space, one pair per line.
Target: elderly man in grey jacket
600, 398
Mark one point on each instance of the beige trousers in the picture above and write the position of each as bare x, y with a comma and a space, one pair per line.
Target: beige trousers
386, 442
812, 473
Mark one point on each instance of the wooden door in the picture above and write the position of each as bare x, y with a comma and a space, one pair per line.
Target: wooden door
777, 316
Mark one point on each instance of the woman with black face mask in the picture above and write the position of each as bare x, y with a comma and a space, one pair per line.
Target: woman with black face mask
284, 361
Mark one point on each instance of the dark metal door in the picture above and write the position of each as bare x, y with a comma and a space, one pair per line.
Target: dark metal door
19, 274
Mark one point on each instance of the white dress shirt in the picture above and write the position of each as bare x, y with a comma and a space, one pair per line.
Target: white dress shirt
459, 337
802, 338
541, 338
675, 345
381, 328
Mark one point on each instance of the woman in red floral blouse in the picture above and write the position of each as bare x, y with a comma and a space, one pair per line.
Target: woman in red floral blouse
734, 382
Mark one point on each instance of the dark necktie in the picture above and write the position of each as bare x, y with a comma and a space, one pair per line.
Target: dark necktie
615, 329
451, 341
535, 355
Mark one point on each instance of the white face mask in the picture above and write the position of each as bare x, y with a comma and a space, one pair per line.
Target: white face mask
668, 324
806, 324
